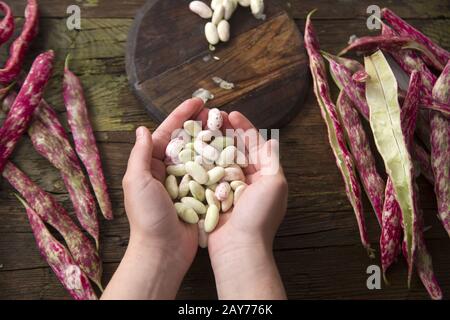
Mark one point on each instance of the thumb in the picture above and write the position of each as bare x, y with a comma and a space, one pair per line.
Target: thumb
141, 155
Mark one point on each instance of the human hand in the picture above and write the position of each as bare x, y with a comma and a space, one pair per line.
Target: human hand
161, 247
241, 246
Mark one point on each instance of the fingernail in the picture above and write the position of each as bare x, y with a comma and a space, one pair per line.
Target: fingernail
139, 132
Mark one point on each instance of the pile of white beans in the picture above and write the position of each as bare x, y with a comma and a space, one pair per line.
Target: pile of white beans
220, 12
204, 173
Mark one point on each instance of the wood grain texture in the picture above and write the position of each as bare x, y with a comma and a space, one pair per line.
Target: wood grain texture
317, 247
265, 60
340, 9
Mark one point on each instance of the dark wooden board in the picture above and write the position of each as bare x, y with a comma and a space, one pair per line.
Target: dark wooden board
317, 247
265, 60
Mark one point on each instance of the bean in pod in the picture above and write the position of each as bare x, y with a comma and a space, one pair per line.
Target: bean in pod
201, 9
197, 172
222, 191
194, 204
228, 202
172, 186
202, 235
197, 190
211, 33
211, 219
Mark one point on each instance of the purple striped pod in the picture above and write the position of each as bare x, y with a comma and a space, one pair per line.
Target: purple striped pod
371, 44
410, 61
440, 148
405, 29
46, 134
59, 259
83, 135
20, 46
390, 240
7, 24
82, 249
336, 134
363, 155
20, 115
357, 94
360, 76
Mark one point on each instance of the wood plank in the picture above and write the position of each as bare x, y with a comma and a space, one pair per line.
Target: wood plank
341, 9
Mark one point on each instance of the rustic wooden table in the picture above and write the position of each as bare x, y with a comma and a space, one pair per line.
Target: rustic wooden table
317, 247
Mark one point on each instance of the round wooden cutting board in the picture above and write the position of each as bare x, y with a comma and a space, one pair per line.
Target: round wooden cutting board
168, 59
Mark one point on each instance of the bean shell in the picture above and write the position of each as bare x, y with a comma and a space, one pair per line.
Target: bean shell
192, 127
223, 29
211, 198
183, 188
172, 186
238, 193
202, 235
194, 204
197, 172
218, 14
212, 219
189, 216
222, 191
211, 33
197, 190
177, 170
201, 9
228, 203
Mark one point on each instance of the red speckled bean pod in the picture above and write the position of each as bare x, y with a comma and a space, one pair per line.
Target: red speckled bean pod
7, 23
59, 259
391, 234
405, 29
50, 140
357, 93
20, 115
370, 44
440, 148
336, 134
20, 46
84, 138
364, 158
55, 215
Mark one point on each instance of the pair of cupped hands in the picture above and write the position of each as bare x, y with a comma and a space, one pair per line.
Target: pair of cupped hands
162, 247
